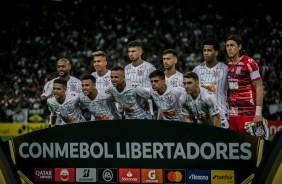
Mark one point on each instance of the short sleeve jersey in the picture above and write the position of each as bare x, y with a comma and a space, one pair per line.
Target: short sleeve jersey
102, 107
203, 107
168, 103
103, 82
175, 80
68, 112
242, 92
129, 100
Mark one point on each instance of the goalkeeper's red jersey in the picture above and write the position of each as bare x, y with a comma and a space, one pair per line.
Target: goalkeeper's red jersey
242, 92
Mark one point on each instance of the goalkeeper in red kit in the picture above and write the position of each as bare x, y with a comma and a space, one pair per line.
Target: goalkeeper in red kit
245, 90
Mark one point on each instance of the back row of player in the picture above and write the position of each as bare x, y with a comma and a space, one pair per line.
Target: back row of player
213, 75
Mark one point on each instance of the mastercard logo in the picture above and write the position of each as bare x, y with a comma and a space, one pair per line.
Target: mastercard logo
174, 176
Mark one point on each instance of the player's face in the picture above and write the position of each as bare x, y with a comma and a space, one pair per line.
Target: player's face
134, 53
63, 68
232, 48
209, 54
59, 90
169, 60
87, 87
157, 83
99, 63
190, 85
117, 78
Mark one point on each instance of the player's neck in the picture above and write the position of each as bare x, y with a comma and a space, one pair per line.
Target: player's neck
121, 87
102, 73
236, 59
211, 64
162, 90
170, 72
196, 93
93, 95
67, 78
61, 99
137, 62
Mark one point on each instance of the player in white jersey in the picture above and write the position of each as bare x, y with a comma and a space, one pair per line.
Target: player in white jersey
102, 74
137, 72
213, 76
166, 97
173, 77
199, 102
64, 105
129, 98
99, 102
73, 83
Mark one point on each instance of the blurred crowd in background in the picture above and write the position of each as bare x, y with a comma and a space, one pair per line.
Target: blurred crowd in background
35, 35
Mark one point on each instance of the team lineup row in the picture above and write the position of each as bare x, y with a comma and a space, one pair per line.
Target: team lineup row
213, 93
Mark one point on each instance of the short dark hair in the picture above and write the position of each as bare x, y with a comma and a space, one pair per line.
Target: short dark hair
170, 51
117, 68
157, 73
190, 75
211, 41
89, 76
135, 43
61, 81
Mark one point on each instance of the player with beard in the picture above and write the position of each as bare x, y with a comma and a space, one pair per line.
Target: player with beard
73, 83
213, 76
173, 77
137, 72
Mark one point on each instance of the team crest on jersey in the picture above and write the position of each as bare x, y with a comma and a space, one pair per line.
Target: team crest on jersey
169, 99
69, 108
216, 73
101, 104
238, 70
106, 82
140, 72
127, 97
174, 82
72, 87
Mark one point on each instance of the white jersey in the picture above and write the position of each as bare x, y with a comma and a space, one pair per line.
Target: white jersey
74, 87
130, 99
216, 77
203, 107
168, 103
102, 107
139, 76
103, 82
69, 111
175, 80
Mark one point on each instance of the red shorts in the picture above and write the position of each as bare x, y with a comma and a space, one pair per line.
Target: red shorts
237, 123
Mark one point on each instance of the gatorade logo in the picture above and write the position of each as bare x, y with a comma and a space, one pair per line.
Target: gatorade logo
152, 175
175, 176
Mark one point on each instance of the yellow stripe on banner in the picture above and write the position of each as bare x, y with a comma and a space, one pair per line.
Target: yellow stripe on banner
16, 129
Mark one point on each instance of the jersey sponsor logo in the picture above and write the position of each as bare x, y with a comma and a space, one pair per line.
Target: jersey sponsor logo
175, 176
43, 174
198, 176
109, 175
64, 175
152, 175
222, 176
129, 175
85, 174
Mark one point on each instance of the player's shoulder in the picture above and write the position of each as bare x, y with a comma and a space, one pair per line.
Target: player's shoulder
74, 79
147, 63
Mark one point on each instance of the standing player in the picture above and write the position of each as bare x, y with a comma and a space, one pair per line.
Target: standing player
245, 86
73, 83
166, 97
213, 76
137, 72
63, 105
199, 102
173, 77
102, 74
99, 102
129, 98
